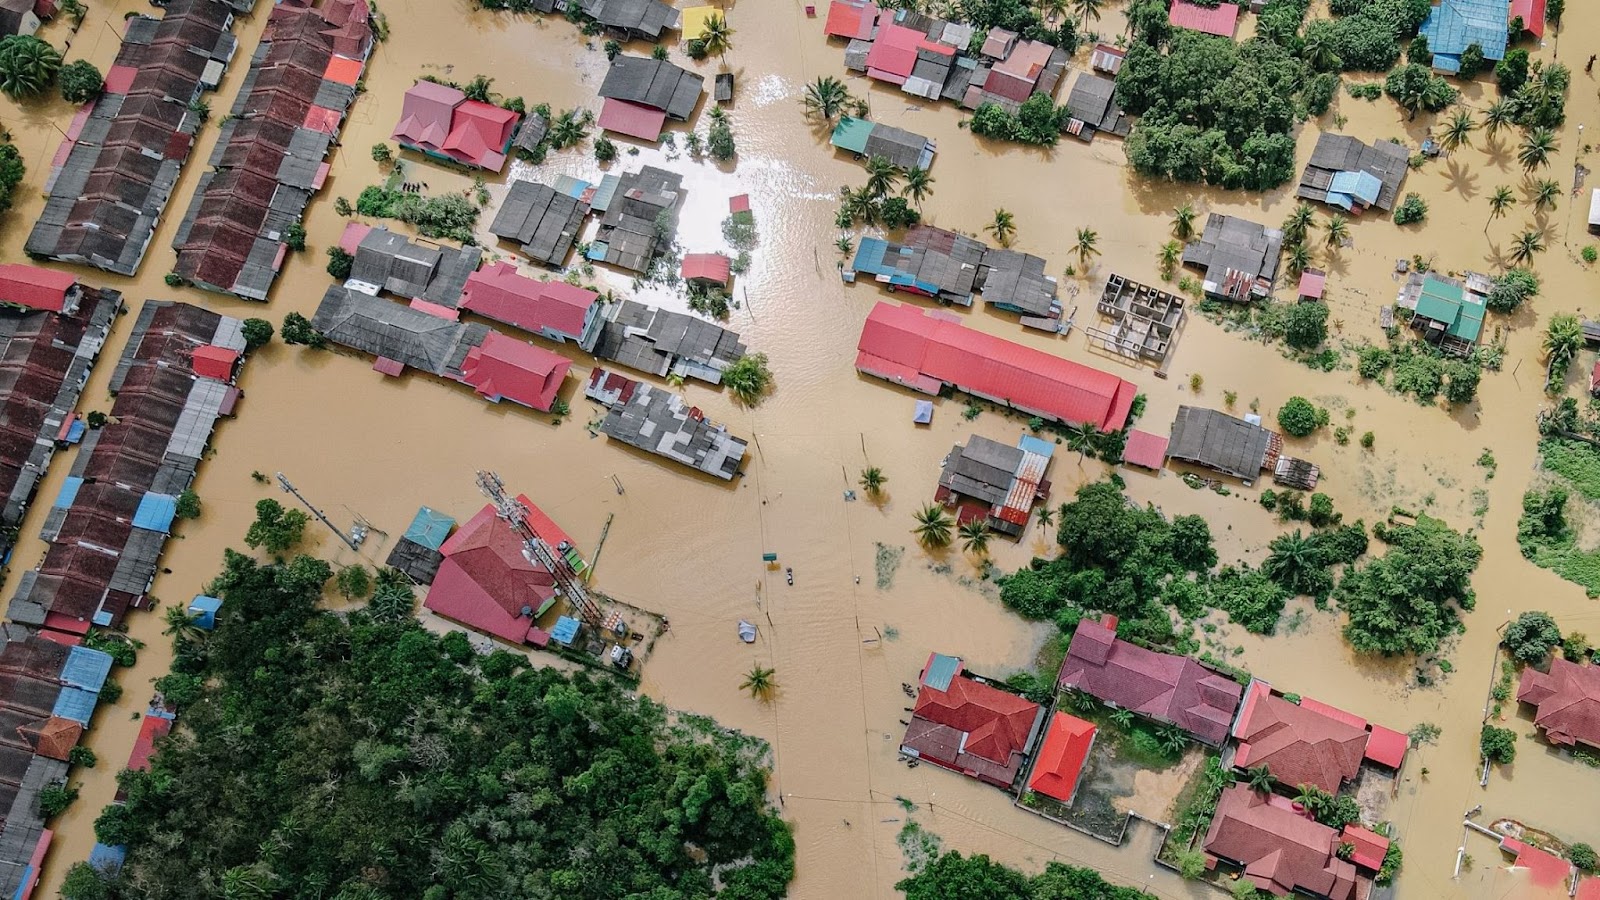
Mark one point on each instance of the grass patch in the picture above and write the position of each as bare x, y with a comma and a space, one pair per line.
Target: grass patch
1138, 740
1576, 461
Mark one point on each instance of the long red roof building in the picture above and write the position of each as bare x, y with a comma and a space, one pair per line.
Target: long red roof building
927, 350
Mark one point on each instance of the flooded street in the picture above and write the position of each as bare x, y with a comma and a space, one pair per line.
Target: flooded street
358, 444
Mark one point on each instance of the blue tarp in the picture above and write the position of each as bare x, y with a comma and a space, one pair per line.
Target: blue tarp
430, 528
108, 858
924, 412
1030, 444
941, 671
155, 512
75, 431
102, 618
203, 610
69, 492
1454, 25
598, 250
76, 704
566, 631
86, 668
869, 257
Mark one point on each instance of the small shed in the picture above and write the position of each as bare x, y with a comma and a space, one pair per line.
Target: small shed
429, 528
203, 611
708, 269
566, 631
1145, 450
1107, 58
739, 203
924, 411
722, 88
1312, 284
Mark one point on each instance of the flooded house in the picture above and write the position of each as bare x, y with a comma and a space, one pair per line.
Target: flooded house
1063, 755
641, 93
851, 19
1236, 447
638, 219
1239, 258
997, 484
874, 140
1092, 109
925, 268
1566, 702
1145, 323
1454, 25
270, 159
646, 20
1304, 741
441, 122
544, 221
418, 552
1445, 311
401, 337
657, 421
384, 260
1016, 282
1164, 687
661, 342
503, 368
927, 350
553, 310
110, 521
115, 171
1281, 850
51, 333
964, 723
707, 270
1026, 67
18, 17
1221, 20
1348, 174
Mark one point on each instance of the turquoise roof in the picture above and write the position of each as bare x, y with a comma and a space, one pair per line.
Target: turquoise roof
851, 134
430, 528
1454, 25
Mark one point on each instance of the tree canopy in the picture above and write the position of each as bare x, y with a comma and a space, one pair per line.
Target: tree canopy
348, 757
1531, 636
980, 878
1406, 601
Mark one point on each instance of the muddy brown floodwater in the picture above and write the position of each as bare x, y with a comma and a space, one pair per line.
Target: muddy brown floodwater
360, 444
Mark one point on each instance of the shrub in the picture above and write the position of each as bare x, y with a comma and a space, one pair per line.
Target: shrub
719, 142
1590, 254
80, 81
82, 756
1511, 290
1511, 72
1371, 361
339, 265
294, 236
1472, 61
297, 329
1412, 209
1531, 637
1583, 856
188, 505
604, 149
54, 800
1367, 440
381, 153
1498, 745
1306, 325
1191, 864
1298, 417
257, 333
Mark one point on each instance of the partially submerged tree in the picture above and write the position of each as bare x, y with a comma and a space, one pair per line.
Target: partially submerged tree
933, 526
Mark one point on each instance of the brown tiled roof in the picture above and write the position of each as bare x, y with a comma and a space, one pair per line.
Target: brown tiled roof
1298, 745
1567, 701
1282, 851
53, 738
1164, 686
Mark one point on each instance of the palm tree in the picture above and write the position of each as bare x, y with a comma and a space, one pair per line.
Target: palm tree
759, 683
1562, 340
1525, 246
200, 108
1122, 718
1536, 149
1298, 261
1318, 51
826, 97
1046, 516
1308, 796
1087, 238
1338, 229
1501, 200
1081, 700
844, 245
1079, 439
1173, 739
1295, 563
1298, 224
28, 66
717, 37
1499, 115
1088, 9
1545, 193
919, 184
1171, 252
1183, 222
1458, 132
1004, 227
933, 526
873, 480
882, 176
1260, 779
975, 537
183, 626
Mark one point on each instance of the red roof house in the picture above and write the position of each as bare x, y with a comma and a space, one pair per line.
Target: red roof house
972, 728
1370, 846
1163, 686
1298, 744
851, 20
551, 309
211, 361
1531, 12
503, 368
1545, 869
1567, 702
1282, 851
1144, 449
34, 287
1060, 760
151, 729
440, 121
894, 53
632, 119
925, 351
486, 582
707, 268
1221, 20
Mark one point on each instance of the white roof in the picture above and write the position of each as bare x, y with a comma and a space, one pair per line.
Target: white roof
1594, 207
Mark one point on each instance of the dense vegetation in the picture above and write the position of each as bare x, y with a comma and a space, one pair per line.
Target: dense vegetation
1365, 34
1544, 533
11, 172
1406, 600
447, 216
977, 877
361, 758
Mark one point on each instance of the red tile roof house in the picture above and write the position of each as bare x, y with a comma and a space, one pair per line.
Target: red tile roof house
1281, 851
1308, 743
709, 269
972, 728
926, 350
1161, 686
1059, 764
553, 310
439, 121
503, 368
894, 53
1221, 20
487, 583
1566, 701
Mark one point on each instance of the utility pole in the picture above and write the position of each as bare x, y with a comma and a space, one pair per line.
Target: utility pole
511, 510
349, 541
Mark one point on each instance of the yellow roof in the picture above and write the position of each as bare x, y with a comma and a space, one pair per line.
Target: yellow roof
694, 19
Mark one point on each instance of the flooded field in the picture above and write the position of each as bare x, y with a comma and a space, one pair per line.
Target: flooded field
359, 444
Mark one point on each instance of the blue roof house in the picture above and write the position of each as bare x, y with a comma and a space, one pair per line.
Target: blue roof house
86, 668
1354, 190
1455, 25
430, 528
203, 611
155, 513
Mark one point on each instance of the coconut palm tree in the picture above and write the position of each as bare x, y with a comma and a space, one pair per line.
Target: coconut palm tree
1545, 193
827, 97
1298, 260
1183, 222
759, 683
1458, 131
933, 526
1318, 51
882, 176
1079, 439
1004, 227
1088, 9
1298, 224
1536, 149
844, 245
28, 66
1562, 340
975, 537
873, 480
919, 184
1259, 779
1295, 563
1498, 116
1338, 229
183, 626
1525, 246
1171, 252
717, 37
1087, 238
1052, 10
1046, 516
1501, 200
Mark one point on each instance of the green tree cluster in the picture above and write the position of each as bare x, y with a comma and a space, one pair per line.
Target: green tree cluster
80, 81
1037, 121
1406, 601
749, 378
1410, 210
1298, 417
1416, 88
28, 66
447, 216
297, 329
276, 528
382, 764
1498, 745
1365, 35
1511, 289
1531, 636
980, 878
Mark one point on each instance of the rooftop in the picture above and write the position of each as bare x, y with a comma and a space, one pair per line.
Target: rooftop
487, 581
653, 83
1216, 440
1282, 851
1566, 702
439, 120
543, 220
1334, 153
975, 729
1454, 25
657, 421
1298, 743
1240, 257
1061, 758
1221, 20
504, 368
501, 293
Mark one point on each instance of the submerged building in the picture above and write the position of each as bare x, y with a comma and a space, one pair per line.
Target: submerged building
660, 342
657, 421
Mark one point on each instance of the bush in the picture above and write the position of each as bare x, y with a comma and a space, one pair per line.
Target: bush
1511, 72
82, 756
719, 141
1298, 417
1472, 61
188, 505
381, 153
1306, 325
353, 582
1412, 209
339, 265
1191, 864
695, 49
1367, 440
1511, 290
1498, 745
297, 329
294, 236
257, 333
1583, 856
54, 800
1590, 254
1372, 362
604, 149
80, 81
1531, 637
1319, 93
1463, 378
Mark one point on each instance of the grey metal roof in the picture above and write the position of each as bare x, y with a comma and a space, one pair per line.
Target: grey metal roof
1386, 160
533, 130
1231, 244
1219, 441
387, 329
657, 420
410, 269
983, 469
1093, 102
655, 83
628, 228
899, 146
646, 18
655, 340
855, 55
1018, 281
543, 220
419, 562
